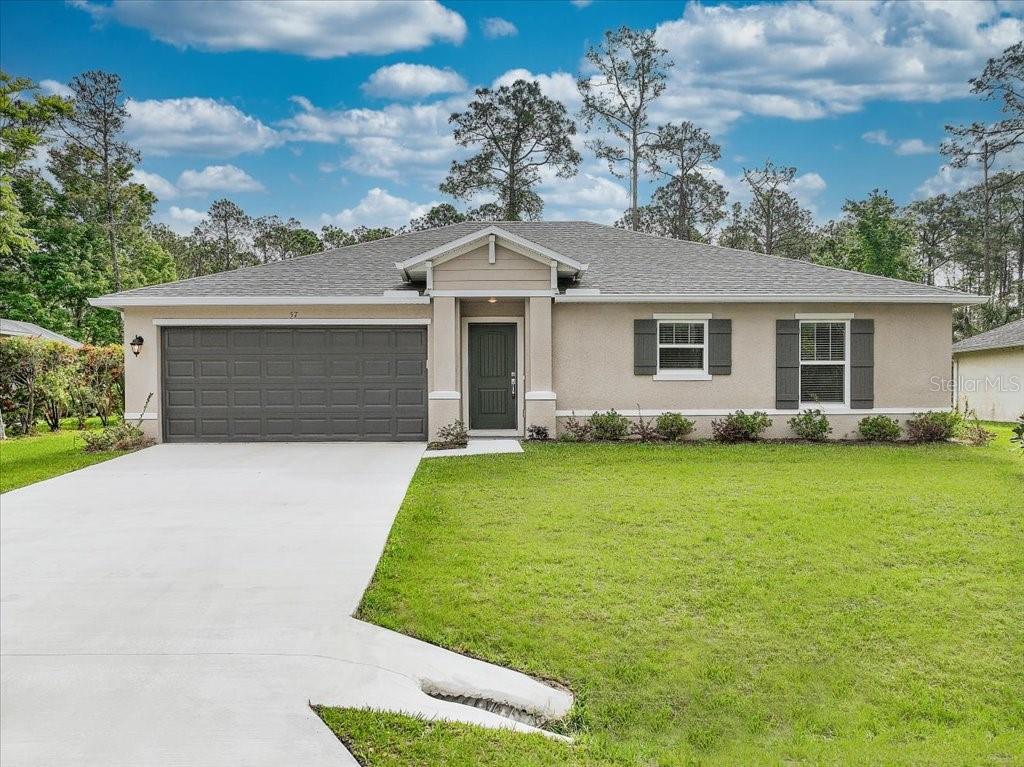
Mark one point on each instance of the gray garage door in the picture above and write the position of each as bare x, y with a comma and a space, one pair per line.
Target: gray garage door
248, 384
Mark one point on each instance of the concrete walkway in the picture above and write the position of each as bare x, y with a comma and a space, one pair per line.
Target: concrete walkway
184, 604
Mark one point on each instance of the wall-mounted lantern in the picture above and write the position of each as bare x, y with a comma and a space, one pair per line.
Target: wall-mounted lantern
136, 344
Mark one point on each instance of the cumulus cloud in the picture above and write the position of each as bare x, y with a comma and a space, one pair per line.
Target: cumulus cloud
311, 28
810, 60
913, 146
496, 26
879, 137
154, 182
581, 3
560, 86
217, 178
196, 126
950, 180
181, 220
55, 88
404, 81
377, 208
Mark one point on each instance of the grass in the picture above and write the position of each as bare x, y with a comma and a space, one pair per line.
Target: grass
721, 605
24, 460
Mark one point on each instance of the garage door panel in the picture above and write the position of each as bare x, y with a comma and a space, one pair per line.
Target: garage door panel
280, 384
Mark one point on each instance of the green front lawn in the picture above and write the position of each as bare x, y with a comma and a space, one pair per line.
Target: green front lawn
24, 460
751, 604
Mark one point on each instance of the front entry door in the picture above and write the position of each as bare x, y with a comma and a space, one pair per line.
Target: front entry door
492, 376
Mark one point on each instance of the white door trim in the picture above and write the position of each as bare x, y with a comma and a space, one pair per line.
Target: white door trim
520, 377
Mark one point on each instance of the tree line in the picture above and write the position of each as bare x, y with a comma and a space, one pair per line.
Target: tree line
86, 227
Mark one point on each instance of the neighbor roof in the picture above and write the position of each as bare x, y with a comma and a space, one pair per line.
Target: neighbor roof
31, 330
1005, 337
620, 263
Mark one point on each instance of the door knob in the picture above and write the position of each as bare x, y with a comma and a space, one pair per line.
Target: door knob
513, 384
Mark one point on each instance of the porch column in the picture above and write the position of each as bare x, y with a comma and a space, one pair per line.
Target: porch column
540, 399
444, 404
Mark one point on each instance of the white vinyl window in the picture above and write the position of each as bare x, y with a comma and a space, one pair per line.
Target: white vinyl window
824, 363
682, 349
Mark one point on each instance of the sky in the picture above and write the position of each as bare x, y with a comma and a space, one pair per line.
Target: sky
337, 113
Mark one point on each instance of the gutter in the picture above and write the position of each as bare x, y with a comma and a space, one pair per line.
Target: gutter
960, 299
120, 302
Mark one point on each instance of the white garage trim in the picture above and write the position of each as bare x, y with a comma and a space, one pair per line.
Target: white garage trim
186, 322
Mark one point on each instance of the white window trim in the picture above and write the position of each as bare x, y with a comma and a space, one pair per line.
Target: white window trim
827, 406
674, 374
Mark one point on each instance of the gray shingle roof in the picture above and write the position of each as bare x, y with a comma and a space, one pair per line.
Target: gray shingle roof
620, 261
31, 330
1009, 335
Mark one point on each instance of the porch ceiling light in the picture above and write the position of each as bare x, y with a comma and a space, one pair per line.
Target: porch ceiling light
136, 344
492, 300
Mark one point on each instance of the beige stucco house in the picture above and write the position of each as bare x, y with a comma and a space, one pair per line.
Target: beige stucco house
988, 372
513, 324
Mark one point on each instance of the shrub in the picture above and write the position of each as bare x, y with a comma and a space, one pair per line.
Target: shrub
812, 425
644, 429
121, 436
879, 428
1018, 432
574, 430
537, 433
740, 426
609, 426
673, 426
934, 427
971, 431
450, 437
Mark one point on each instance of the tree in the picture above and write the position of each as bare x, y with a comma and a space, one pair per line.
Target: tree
875, 238
736, 234
690, 205
936, 221
630, 77
777, 223
518, 131
228, 231
444, 214
95, 164
25, 124
335, 237
277, 240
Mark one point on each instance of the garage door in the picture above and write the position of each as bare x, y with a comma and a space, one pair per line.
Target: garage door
249, 384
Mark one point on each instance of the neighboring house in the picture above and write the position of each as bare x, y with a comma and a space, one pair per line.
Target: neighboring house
512, 324
988, 372
12, 328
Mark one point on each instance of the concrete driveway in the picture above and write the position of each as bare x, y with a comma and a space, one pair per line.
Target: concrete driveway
184, 604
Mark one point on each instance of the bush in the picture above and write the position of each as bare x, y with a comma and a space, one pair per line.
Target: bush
574, 430
673, 426
879, 428
971, 431
741, 427
644, 429
812, 425
934, 427
121, 436
450, 437
537, 433
609, 426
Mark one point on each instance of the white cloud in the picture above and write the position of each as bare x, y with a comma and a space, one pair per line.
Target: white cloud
586, 197
217, 178
182, 220
399, 142
196, 126
154, 182
55, 88
810, 60
950, 180
311, 28
913, 146
496, 26
413, 81
581, 3
377, 208
879, 137
560, 86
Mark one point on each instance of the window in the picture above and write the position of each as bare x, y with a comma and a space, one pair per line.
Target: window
682, 348
823, 363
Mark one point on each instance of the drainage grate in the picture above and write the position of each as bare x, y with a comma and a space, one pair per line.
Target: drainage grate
506, 710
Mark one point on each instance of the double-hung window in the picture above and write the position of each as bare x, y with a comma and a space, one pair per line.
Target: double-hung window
824, 363
682, 349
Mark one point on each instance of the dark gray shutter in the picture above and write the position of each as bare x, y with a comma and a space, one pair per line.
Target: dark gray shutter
645, 347
787, 364
862, 364
720, 347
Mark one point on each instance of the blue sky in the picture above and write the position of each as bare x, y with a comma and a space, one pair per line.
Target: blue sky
337, 113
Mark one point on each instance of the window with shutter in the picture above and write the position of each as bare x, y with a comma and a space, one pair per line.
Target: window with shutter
682, 347
824, 363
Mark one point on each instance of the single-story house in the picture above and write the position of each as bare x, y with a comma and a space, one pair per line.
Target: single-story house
988, 372
511, 324
21, 329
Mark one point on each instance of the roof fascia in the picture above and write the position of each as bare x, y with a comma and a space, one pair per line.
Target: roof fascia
521, 245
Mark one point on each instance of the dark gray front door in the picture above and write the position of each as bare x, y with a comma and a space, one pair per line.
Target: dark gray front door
283, 384
492, 376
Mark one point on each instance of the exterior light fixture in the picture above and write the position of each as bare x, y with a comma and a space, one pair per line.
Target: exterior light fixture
492, 300
136, 344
